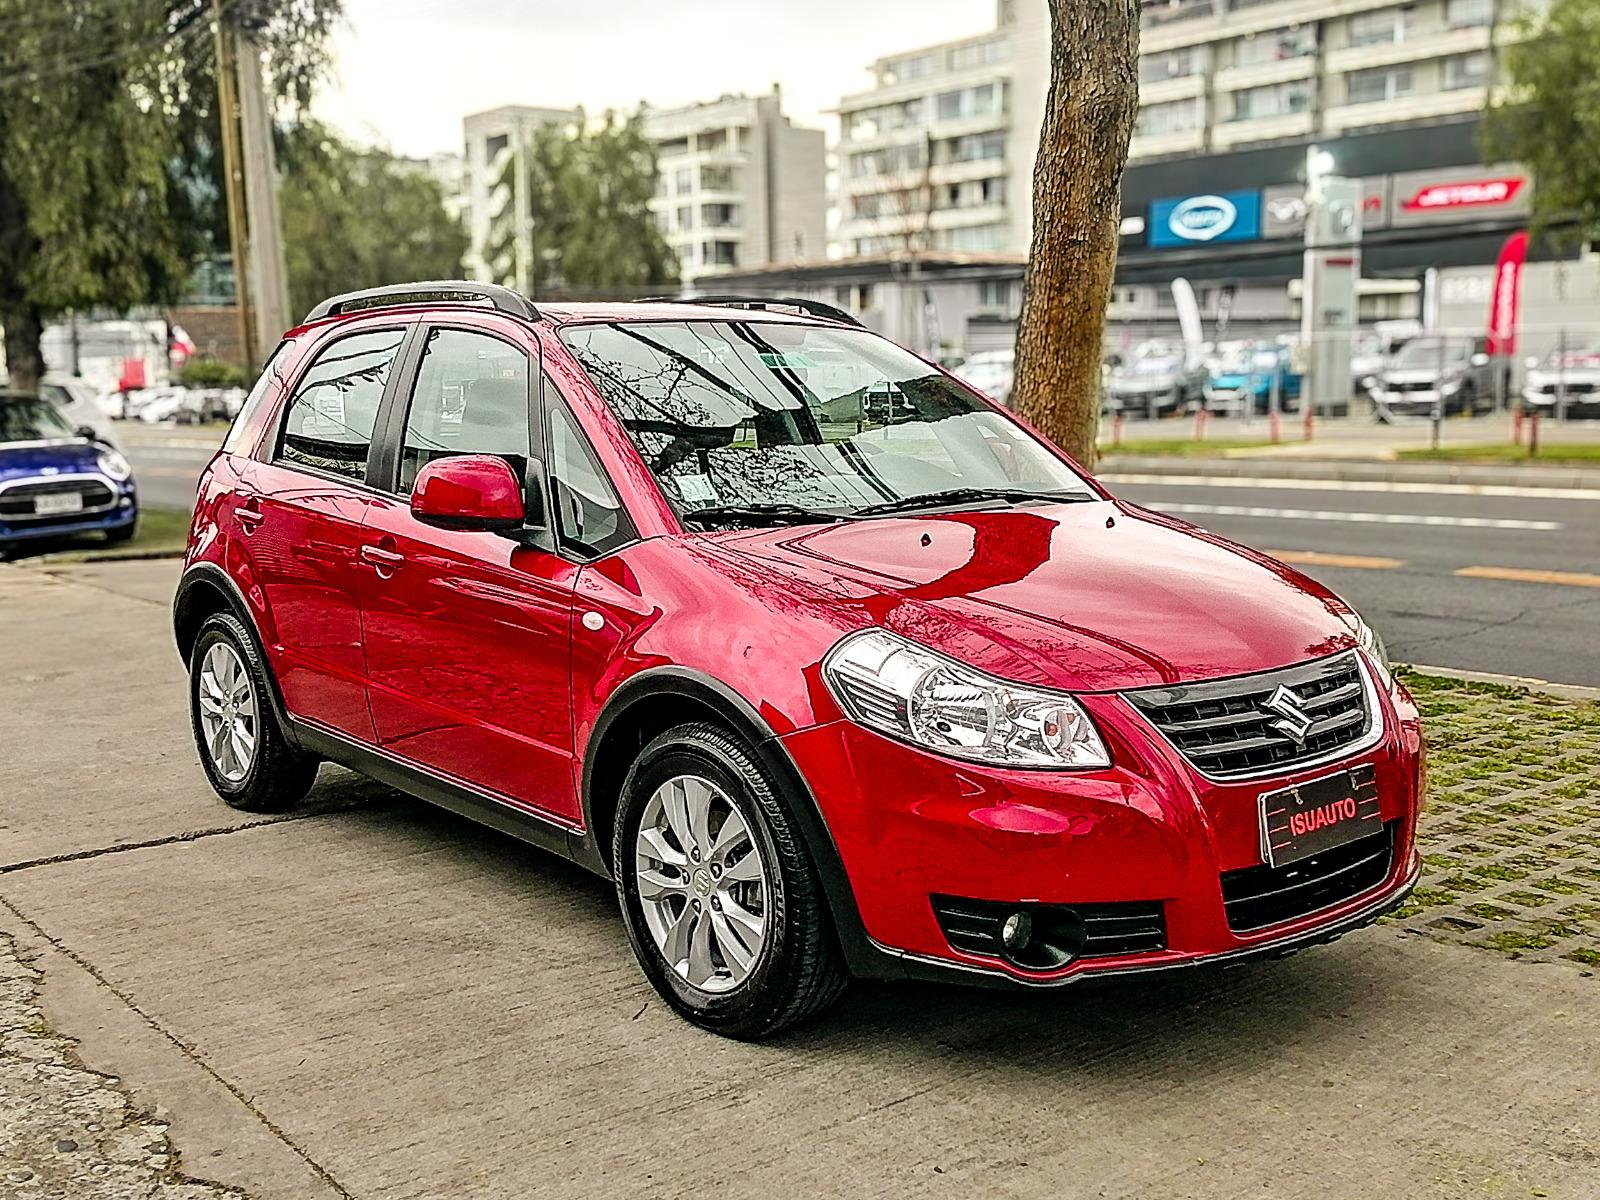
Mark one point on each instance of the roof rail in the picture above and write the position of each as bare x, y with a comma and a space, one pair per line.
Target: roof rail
815, 308
432, 291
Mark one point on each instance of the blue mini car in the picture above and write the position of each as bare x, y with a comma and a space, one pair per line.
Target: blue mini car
56, 481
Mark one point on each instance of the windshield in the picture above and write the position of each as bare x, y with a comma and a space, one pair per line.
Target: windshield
29, 419
752, 413
1429, 352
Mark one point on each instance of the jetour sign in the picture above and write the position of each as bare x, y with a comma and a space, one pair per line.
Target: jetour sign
1471, 193
1204, 219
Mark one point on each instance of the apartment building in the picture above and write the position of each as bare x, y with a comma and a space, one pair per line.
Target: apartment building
739, 185
490, 139
937, 155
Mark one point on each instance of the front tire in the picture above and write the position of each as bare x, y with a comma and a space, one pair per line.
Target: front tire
721, 902
247, 759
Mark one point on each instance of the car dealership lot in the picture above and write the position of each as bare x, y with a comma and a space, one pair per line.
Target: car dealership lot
370, 998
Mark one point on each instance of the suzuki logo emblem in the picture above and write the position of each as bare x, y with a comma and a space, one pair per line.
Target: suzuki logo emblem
1293, 720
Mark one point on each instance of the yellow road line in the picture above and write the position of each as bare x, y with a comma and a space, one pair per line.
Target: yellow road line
1519, 575
1317, 558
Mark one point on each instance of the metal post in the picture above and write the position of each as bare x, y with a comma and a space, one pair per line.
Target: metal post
1274, 405
269, 283
1438, 393
233, 177
1561, 375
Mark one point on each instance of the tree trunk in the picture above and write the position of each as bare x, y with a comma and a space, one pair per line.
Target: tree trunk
1077, 216
24, 329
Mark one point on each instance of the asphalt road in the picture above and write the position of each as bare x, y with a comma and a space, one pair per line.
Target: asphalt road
1398, 556
1395, 554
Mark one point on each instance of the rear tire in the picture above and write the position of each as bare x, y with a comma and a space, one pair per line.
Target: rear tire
719, 896
247, 759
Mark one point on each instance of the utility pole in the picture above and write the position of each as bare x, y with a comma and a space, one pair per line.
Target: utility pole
233, 176
255, 231
269, 290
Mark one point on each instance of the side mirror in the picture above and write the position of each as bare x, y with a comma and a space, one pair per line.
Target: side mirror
470, 492
87, 433
1480, 360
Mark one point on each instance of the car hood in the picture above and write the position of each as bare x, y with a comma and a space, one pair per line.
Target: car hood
21, 459
1084, 597
1555, 376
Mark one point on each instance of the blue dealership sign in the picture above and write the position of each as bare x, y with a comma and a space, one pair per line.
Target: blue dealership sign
1204, 219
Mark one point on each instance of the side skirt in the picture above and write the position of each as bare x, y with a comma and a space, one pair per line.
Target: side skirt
456, 797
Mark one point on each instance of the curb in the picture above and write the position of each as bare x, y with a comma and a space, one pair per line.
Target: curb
1354, 471
1565, 691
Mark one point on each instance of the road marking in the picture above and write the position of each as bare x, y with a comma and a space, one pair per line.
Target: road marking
1319, 558
1520, 575
1409, 487
1361, 518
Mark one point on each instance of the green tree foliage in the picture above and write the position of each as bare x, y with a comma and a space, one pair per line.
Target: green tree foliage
355, 218
1550, 117
85, 147
590, 227
108, 123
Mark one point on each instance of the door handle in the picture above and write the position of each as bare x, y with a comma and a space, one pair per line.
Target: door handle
382, 560
249, 518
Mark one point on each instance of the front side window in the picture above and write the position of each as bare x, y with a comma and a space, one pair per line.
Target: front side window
742, 413
328, 423
471, 397
252, 401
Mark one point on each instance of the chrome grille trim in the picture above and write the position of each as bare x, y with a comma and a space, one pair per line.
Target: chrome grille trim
1338, 692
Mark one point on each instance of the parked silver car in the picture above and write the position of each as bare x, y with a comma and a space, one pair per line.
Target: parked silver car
1453, 372
1154, 380
1567, 383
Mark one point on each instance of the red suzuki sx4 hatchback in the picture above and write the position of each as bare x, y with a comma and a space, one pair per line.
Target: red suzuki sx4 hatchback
830, 663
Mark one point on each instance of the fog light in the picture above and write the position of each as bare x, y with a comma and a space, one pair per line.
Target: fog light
1016, 931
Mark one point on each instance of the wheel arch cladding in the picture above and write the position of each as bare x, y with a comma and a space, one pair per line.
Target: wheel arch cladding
654, 701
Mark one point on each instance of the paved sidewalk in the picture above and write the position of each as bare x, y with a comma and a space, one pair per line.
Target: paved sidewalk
373, 999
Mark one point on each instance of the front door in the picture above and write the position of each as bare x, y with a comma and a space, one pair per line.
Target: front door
299, 519
468, 634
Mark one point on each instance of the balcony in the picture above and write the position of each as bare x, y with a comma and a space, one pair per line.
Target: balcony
1261, 129
1283, 70
1150, 145
1184, 87
1172, 35
1416, 107
1425, 44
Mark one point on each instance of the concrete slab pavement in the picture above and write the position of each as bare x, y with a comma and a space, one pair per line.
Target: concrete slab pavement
389, 1002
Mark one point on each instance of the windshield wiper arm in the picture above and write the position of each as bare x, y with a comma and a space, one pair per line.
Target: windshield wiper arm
970, 495
761, 514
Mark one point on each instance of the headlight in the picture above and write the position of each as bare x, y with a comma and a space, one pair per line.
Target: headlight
113, 464
1450, 387
1372, 643
907, 691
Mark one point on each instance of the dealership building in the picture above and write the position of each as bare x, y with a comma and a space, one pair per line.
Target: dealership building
936, 159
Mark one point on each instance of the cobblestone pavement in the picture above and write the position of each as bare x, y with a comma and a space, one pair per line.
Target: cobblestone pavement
67, 1132
1511, 837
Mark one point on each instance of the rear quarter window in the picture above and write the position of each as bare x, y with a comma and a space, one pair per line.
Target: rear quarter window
259, 391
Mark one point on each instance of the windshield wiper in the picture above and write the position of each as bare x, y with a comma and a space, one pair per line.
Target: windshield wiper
761, 514
970, 495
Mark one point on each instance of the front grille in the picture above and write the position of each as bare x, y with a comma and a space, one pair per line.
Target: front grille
1256, 897
1426, 385
1060, 932
17, 503
1226, 730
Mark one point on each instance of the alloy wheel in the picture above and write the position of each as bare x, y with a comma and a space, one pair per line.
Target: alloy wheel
703, 884
229, 718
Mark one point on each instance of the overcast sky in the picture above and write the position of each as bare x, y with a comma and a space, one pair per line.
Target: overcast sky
406, 71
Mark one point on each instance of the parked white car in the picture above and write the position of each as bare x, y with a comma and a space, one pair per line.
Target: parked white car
992, 372
1574, 375
78, 401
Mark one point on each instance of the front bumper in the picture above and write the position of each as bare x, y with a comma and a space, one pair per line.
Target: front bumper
910, 826
123, 512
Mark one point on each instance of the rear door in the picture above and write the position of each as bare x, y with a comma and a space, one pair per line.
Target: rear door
468, 635
298, 518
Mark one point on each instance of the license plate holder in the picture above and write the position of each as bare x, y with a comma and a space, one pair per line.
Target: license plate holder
1318, 815
53, 504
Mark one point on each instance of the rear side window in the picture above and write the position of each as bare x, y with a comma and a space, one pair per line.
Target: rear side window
329, 419
471, 397
589, 517
232, 444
